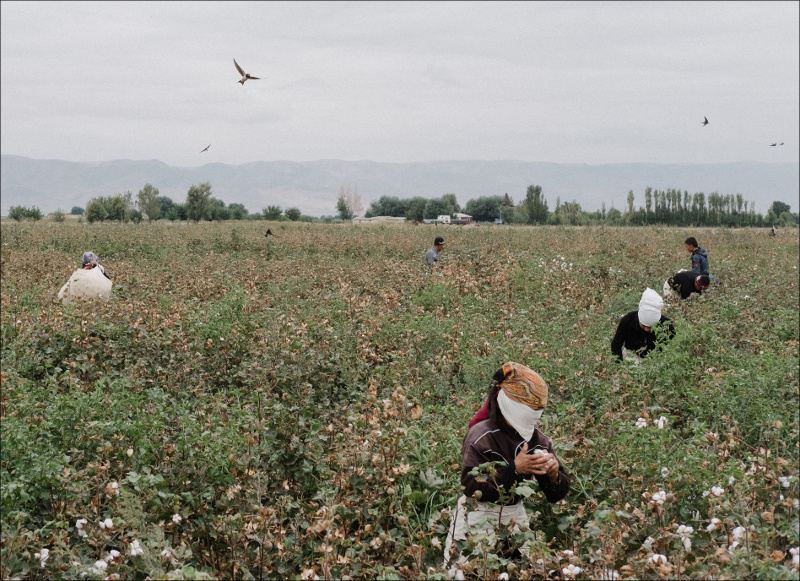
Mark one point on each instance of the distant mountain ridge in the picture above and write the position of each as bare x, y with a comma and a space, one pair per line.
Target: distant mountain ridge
313, 186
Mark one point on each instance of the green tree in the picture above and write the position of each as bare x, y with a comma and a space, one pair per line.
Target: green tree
238, 211
341, 207
58, 216
777, 208
96, 210
148, 202
450, 199
272, 213
176, 212
76, 211
293, 214
17, 213
535, 205
485, 208
416, 210
118, 207
198, 202
166, 204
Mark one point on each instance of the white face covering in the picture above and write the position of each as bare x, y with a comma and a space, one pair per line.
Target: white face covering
521, 417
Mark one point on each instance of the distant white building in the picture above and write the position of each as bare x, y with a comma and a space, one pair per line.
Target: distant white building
378, 220
443, 219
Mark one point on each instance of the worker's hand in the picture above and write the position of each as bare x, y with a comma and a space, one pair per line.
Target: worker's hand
540, 463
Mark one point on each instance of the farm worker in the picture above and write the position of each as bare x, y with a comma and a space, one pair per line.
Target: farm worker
635, 337
687, 282
699, 256
89, 281
509, 437
432, 255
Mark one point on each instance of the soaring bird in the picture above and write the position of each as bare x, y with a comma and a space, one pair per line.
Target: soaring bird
781, 143
705, 121
245, 76
206, 149
773, 144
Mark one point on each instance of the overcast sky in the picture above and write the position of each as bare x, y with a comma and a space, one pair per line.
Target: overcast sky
586, 82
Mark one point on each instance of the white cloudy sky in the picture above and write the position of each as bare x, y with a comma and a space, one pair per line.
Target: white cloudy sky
586, 82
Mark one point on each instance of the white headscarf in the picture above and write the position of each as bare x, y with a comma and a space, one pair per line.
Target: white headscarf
521, 417
650, 308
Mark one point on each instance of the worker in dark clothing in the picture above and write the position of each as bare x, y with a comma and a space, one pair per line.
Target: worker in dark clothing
687, 282
699, 256
635, 336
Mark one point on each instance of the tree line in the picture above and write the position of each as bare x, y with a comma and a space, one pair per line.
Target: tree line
200, 205
664, 207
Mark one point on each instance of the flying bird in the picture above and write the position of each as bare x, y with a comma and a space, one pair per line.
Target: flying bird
705, 121
781, 143
773, 144
245, 75
206, 149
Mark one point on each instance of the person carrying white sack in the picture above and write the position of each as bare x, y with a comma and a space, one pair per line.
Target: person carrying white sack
89, 281
635, 336
509, 437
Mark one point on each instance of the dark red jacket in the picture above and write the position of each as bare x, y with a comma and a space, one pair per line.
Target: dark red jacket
488, 442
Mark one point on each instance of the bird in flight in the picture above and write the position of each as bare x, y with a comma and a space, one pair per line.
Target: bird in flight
773, 144
245, 75
206, 149
705, 121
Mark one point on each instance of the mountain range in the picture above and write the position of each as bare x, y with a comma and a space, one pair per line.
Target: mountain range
314, 186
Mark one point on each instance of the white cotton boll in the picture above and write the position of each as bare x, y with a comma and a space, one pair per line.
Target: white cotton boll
661, 422
731, 480
649, 541
658, 559
80, 522
738, 532
136, 548
664, 472
100, 565
641, 423
687, 543
176, 518
107, 524
717, 491
503, 576
685, 530
571, 570
43, 555
713, 526
786, 481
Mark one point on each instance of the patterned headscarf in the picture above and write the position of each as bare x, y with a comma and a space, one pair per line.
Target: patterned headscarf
88, 257
523, 385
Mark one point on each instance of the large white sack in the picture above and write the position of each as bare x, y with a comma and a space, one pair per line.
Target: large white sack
88, 284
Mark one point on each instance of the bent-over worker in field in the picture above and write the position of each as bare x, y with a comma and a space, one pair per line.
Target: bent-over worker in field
687, 282
432, 255
635, 336
89, 281
507, 436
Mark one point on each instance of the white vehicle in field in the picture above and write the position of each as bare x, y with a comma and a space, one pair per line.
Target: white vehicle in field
443, 219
